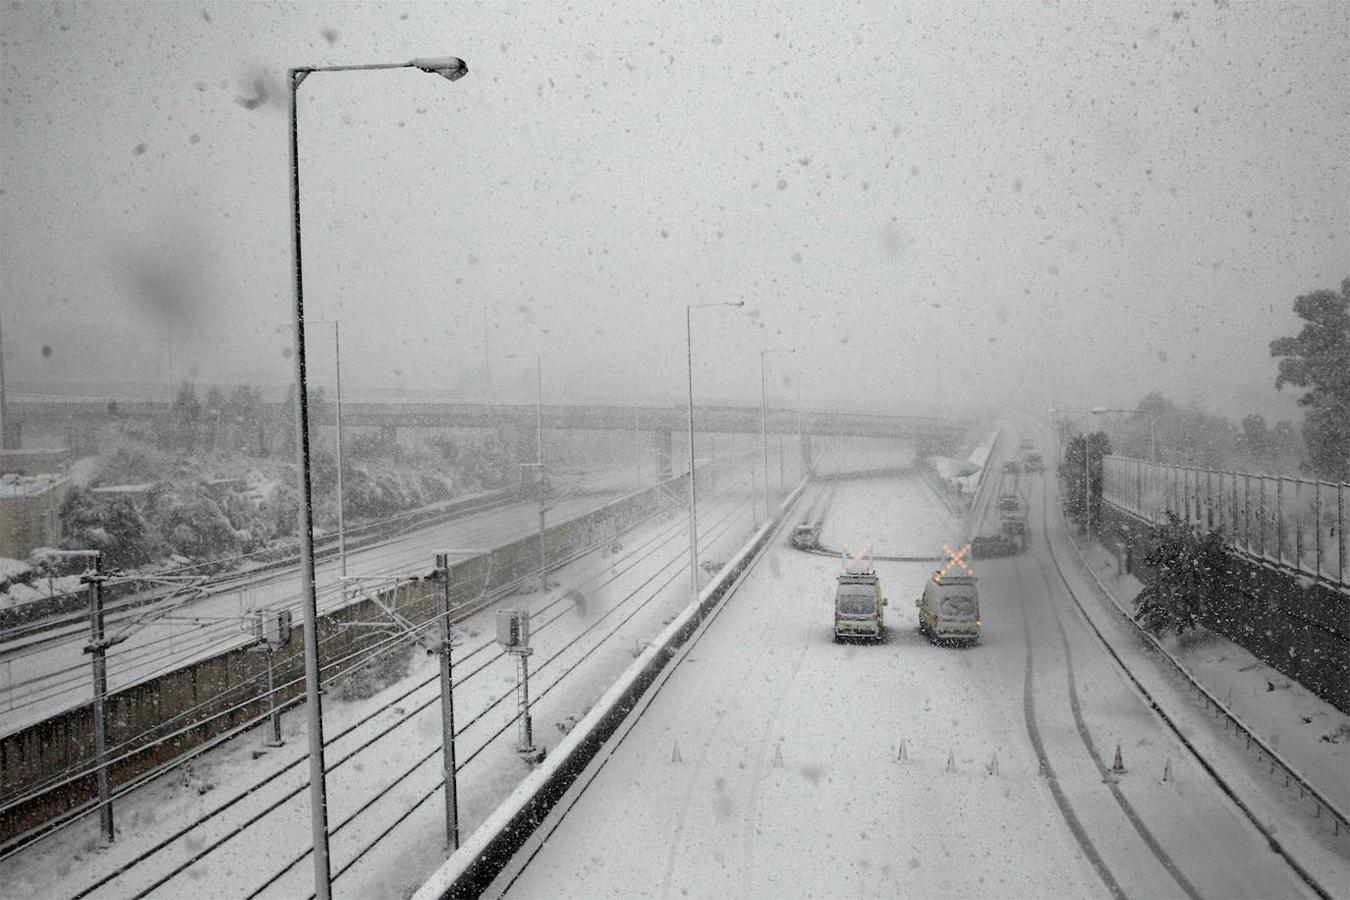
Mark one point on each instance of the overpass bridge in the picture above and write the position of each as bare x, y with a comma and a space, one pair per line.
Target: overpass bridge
73, 420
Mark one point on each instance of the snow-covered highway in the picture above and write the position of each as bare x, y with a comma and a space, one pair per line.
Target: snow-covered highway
770, 763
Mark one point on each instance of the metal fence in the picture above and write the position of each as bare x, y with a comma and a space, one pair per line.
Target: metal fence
1292, 523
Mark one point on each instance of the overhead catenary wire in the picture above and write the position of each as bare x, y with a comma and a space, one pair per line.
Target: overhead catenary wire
460, 732
358, 724
713, 533
226, 637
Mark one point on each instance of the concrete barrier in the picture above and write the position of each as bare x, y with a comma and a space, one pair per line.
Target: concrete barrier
479, 860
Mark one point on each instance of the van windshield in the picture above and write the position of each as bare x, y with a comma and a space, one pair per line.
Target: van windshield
857, 602
958, 606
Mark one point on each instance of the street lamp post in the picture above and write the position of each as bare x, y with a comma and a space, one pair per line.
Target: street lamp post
693, 503
337, 383
764, 418
1087, 478
539, 439
453, 69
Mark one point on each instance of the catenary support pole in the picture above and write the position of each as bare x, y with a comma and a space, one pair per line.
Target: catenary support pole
447, 703
693, 507
98, 652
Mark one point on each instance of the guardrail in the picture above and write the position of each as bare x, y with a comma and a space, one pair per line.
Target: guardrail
1294, 524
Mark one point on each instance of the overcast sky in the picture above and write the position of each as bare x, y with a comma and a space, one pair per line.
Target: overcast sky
933, 203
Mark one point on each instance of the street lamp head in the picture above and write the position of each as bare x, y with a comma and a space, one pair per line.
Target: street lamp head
451, 68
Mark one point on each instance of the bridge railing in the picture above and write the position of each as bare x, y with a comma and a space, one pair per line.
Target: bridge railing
1295, 524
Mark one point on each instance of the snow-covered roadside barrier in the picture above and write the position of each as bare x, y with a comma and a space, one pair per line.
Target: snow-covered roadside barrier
472, 868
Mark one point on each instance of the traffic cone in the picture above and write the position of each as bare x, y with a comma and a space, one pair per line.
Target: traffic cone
675, 754
951, 760
1117, 766
778, 756
1167, 769
903, 754
992, 768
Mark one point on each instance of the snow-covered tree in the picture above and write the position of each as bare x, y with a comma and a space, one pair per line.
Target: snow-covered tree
1191, 573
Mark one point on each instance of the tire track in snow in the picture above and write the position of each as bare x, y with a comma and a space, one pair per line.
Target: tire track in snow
752, 808
1080, 725
1033, 731
673, 855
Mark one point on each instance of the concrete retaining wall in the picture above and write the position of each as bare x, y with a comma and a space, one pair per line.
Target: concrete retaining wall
156, 721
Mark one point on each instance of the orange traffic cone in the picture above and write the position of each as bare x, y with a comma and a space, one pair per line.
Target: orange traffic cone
951, 761
992, 768
675, 754
1117, 766
903, 754
778, 756
1167, 769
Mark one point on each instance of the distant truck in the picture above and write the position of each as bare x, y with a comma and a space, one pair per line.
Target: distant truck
949, 609
1012, 520
1010, 467
986, 546
1033, 463
859, 608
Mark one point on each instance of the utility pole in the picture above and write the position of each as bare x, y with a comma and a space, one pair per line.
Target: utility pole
6, 427
337, 378
447, 702
487, 357
763, 427
539, 433
98, 650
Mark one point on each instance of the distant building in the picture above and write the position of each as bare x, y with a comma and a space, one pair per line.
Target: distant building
30, 512
33, 461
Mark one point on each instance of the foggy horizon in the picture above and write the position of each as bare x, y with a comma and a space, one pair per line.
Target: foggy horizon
1091, 218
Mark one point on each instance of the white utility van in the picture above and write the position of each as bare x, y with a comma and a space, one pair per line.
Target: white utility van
858, 604
949, 609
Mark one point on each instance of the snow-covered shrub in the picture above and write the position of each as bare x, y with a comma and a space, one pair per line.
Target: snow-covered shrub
192, 522
1191, 573
109, 524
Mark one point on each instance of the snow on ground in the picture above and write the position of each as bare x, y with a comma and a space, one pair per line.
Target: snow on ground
1306, 730
651, 567
12, 569
894, 518
47, 677
841, 815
